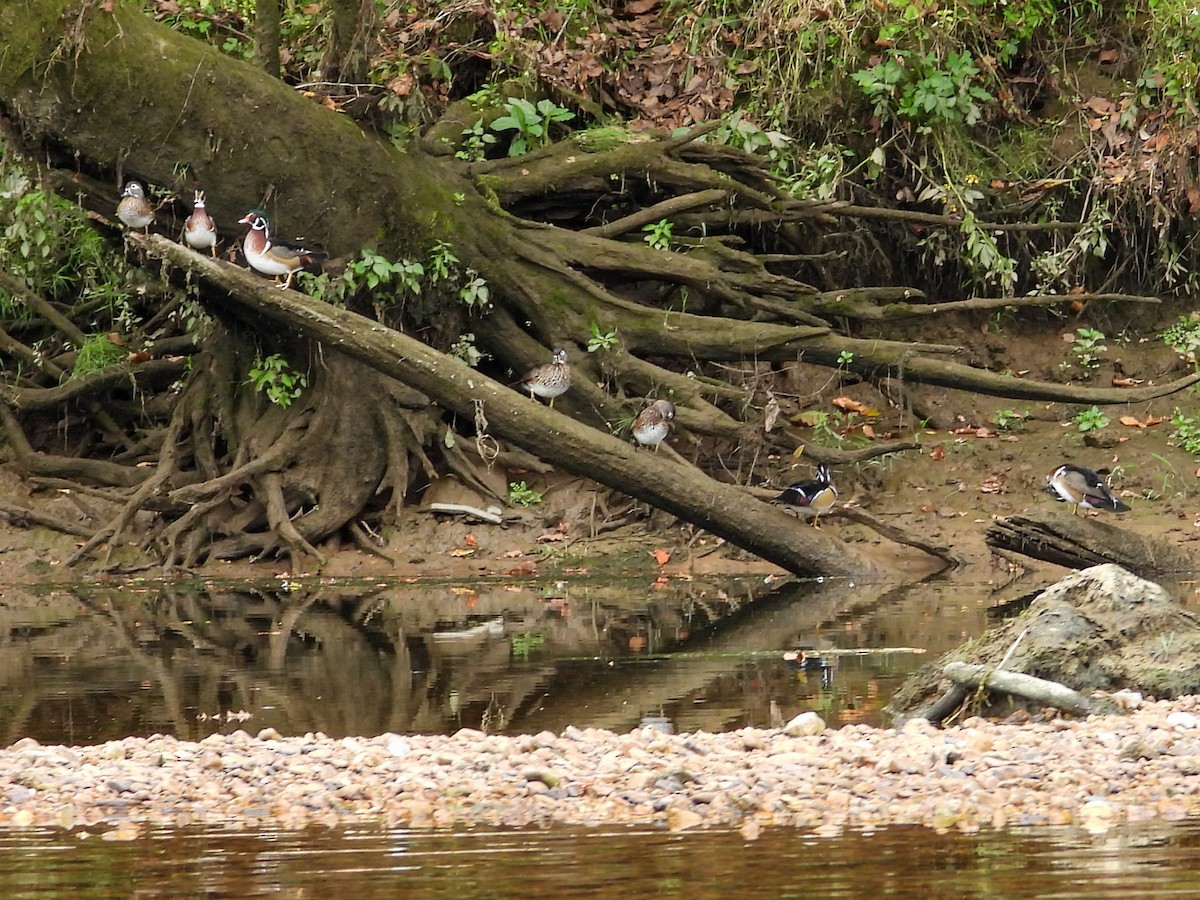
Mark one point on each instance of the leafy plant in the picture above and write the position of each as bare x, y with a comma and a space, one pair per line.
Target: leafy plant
464, 348
530, 122
1187, 433
278, 380
925, 87
475, 142
602, 340
1010, 419
475, 293
845, 358
1184, 337
520, 494
1086, 347
441, 259
659, 234
1091, 420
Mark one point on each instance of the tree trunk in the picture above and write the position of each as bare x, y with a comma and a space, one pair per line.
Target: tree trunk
723, 509
1081, 541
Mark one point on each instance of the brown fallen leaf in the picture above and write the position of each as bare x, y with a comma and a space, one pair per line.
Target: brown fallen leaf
463, 551
662, 557
512, 554
552, 536
1132, 422
1127, 382
850, 405
523, 570
938, 453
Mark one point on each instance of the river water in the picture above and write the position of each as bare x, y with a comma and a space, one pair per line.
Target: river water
82, 664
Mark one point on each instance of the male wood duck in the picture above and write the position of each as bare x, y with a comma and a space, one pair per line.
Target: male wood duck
1082, 487
550, 379
653, 423
134, 209
811, 498
275, 258
199, 230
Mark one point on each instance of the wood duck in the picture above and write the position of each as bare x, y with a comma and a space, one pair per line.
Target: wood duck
280, 259
653, 423
199, 230
811, 498
1082, 487
134, 209
550, 379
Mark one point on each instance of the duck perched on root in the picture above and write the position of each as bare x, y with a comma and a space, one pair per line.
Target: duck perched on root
653, 423
550, 379
811, 498
134, 209
280, 259
200, 231
1084, 487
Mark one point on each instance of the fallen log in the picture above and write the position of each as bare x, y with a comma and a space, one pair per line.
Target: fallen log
1028, 687
723, 509
1078, 542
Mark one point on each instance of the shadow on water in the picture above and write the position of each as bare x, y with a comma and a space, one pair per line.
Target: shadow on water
81, 664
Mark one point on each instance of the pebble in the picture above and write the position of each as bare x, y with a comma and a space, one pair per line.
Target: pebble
1094, 774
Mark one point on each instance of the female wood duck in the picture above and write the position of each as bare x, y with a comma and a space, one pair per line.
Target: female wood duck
811, 498
653, 423
1082, 487
134, 209
275, 258
550, 379
199, 230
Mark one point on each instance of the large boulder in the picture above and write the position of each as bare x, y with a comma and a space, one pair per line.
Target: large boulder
1100, 629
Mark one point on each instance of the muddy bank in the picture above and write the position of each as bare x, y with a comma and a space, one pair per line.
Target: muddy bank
1093, 773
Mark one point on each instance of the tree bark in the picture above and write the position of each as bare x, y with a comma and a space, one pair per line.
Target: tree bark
723, 509
1081, 541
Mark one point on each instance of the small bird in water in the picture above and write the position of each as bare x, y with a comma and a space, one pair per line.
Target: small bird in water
275, 258
199, 230
550, 379
653, 423
134, 209
1082, 487
811, 498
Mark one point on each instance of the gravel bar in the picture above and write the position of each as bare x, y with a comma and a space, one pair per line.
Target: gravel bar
1094, 773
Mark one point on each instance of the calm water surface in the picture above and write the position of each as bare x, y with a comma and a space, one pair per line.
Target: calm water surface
87, 664
898, 862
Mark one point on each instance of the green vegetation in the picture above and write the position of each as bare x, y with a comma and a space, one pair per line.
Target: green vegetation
97, 353
278, 380
1086, 347
1091, 420
602, 340
520, 494
659, 234
1187, 433
1184, 337
1010, 419
531, 122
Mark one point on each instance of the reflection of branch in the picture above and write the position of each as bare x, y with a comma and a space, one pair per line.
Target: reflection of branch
154, 664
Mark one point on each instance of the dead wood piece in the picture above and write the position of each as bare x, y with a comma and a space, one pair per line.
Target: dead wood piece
1082, 541
668, 209
20, 515
462, 509
1018, 684
95, 470
900, 536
